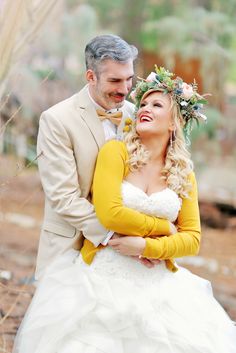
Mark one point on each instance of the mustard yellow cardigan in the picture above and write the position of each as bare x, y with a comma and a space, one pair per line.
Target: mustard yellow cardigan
110, 171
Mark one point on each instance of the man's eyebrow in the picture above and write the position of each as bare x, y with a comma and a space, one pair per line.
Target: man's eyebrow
118, 79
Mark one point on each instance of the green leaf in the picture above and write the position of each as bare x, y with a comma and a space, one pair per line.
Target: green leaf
202, 101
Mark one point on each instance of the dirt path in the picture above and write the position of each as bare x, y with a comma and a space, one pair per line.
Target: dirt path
21, 208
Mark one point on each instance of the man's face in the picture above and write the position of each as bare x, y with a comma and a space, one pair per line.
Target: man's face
111, 85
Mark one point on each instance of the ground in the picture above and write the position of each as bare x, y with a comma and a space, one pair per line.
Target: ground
21, 211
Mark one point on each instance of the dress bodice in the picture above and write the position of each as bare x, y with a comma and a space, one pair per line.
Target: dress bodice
164, 204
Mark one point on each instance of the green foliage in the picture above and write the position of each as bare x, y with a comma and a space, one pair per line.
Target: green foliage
42, 73
194, 29
232, 69
209, 128
109, 12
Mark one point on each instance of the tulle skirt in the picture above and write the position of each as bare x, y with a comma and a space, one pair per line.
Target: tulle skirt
116, 305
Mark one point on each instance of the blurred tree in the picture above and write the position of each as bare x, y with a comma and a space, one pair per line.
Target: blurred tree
201, 29
228, 7
109, 13
131, 21
58, 56
127, 18
196, 34
19, 22
214, 120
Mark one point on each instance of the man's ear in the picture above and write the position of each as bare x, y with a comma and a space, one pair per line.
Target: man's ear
91, 76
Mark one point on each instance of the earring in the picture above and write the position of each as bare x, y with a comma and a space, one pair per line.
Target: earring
172, 138
174, 133
171, 141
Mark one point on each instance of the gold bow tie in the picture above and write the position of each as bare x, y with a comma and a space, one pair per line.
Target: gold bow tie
115, 118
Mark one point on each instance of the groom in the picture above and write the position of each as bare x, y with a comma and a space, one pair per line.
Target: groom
70, 136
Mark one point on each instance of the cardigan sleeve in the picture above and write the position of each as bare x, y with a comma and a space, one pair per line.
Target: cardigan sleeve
186, 241
110, 171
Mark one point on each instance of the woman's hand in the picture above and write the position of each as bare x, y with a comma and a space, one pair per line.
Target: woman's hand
150, 263
130, 246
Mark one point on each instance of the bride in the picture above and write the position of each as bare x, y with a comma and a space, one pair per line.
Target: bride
101, 300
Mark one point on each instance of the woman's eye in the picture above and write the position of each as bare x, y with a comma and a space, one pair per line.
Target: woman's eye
157, 105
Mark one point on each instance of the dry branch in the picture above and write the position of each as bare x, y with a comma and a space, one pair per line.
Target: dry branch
20, 22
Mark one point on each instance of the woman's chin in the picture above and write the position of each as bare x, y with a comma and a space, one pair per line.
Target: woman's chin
144, 130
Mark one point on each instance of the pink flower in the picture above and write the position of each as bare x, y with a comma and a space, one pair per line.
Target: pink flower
133, 95
187, 91
151, 77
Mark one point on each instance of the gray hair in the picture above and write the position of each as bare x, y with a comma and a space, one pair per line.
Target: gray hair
108, 46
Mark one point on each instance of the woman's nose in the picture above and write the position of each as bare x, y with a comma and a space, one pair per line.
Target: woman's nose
146, 108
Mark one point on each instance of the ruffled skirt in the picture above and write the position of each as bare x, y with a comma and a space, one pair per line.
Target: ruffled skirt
116, 305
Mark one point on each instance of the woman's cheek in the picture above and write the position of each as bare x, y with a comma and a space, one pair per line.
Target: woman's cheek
137, 126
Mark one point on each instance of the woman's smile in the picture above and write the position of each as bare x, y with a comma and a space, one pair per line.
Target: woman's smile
145, 118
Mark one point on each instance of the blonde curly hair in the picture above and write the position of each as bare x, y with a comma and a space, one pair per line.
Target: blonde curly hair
178, 164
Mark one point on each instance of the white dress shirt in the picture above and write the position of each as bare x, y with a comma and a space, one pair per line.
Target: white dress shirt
110, 131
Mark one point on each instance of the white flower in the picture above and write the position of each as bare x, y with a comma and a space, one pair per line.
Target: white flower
183, 103
133, 95
202, 116
151, 77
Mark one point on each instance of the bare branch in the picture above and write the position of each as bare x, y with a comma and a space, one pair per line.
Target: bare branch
20, 170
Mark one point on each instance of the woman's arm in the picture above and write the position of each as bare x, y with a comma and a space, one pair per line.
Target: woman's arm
110, 171
184, 243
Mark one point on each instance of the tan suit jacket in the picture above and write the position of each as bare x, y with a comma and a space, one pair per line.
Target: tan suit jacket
70, 136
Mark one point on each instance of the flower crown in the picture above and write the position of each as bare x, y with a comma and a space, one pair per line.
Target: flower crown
190, 102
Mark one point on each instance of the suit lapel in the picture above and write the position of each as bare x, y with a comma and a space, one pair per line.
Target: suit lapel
89, 115
90, 118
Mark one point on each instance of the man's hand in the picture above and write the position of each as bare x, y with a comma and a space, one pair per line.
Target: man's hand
117, 236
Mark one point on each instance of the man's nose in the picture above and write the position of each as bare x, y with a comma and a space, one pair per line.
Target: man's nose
124, 88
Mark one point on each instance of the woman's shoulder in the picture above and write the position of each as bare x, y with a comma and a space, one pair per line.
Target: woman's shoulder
112, 146
192, 183
192, 177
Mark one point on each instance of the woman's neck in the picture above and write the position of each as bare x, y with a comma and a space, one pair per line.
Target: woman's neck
157, 149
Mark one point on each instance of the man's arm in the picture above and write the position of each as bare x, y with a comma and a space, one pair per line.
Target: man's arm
59, 178
110, 171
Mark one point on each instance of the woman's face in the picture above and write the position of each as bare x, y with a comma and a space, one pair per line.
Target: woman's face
154, 116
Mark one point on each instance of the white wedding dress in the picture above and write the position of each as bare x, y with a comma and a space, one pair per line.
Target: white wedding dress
116, 305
